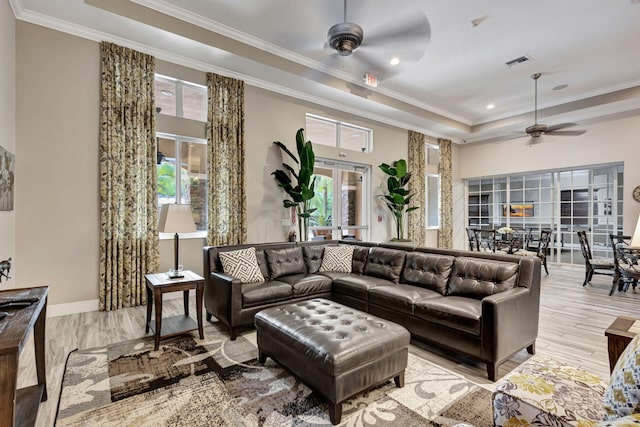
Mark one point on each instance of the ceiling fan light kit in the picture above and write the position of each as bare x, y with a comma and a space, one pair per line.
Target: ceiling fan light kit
345, 37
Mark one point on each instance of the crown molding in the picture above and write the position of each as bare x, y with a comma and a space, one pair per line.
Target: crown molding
99, 36
17, 7
167, 8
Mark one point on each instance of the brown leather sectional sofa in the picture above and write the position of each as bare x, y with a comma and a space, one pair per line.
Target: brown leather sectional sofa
482, 305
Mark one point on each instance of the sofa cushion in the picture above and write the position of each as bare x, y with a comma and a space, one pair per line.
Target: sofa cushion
313, 257
360, 255
621, 398
307, 284
478, 278
429, 271
254, 294
337, 258
385, 263
399, 297
460, 313
285, 261
357, 286
242, 264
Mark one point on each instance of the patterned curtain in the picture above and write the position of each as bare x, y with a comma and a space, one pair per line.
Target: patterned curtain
227, 223
445, 233
416, 222
128, 199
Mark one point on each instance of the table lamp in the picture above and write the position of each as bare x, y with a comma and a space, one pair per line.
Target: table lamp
635, 239
176, 218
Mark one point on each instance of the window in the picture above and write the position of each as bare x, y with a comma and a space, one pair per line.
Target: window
432, 181
565, 201
433, 200
181, 99
188, 183
320, 130
341, 201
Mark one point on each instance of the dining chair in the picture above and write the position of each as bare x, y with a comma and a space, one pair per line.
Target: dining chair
627, 270
486, 240
540, 250
593, 265
473, 243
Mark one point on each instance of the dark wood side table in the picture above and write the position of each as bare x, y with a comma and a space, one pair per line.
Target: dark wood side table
20, 407
160, 283
619, 335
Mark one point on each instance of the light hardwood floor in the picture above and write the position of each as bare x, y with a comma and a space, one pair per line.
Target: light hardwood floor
572, 324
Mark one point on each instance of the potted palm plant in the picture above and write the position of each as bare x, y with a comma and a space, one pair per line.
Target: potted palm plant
399, 197
298, 184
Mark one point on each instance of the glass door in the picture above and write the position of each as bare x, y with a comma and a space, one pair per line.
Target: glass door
340, 201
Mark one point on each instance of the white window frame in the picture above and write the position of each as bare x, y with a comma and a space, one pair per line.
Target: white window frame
178, 141
338, 166
339, 125
178, 85
438, 204
431, 172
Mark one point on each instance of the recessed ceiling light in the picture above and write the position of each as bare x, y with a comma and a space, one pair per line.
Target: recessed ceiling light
490, 107
394, 61
560, 87
166, 92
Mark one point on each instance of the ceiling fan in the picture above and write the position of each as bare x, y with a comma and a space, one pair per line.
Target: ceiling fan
404, 37
536, 130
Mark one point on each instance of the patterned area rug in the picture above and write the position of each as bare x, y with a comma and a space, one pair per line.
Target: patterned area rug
217, 382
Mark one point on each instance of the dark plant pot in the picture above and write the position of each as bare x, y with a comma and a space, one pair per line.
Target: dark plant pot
401, 240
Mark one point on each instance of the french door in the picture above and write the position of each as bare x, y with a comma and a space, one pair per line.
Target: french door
341, 201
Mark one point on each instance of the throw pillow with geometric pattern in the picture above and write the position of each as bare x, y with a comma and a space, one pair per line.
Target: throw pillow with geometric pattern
622, 397
337, 259
242, 264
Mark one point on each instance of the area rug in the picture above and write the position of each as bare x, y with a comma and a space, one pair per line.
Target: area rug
218, 382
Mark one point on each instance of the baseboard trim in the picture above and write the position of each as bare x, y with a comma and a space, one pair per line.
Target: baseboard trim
56, 310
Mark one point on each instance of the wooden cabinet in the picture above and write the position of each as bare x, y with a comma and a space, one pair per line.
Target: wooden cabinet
19, 407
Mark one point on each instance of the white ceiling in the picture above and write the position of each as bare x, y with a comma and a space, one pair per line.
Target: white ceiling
443, 82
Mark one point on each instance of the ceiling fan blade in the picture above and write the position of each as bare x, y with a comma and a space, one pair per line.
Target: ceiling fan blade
409, 33
560, 126
566, 132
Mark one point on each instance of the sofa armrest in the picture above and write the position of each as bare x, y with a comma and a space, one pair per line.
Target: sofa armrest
509, 322
223, 296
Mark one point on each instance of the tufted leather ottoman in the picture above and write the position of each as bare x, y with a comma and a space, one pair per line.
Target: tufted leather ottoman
336, 350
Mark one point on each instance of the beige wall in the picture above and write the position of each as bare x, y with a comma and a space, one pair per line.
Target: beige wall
57, 222
608, 142
57, 228
270, 117
7, 124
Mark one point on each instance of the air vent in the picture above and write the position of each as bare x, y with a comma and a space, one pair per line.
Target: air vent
517, 61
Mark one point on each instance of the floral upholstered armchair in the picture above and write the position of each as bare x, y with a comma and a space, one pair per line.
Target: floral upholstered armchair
545, 392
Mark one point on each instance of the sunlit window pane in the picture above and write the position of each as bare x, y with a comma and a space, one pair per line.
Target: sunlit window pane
194, 102
321, 132
354, 138
165, 97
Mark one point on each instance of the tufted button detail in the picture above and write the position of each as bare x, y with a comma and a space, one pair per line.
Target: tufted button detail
328, 328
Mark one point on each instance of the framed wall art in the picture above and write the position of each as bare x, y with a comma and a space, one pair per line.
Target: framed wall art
7, 168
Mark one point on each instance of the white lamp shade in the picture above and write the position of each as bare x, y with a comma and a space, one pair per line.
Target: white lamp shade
176, 218
635, 239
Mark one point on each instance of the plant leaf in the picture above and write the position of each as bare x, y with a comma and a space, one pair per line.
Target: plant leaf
290, 169
401, 167
387, 169
286, 150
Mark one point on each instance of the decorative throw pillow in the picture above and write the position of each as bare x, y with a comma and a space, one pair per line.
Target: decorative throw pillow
621, 397
337, 259
242, 264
